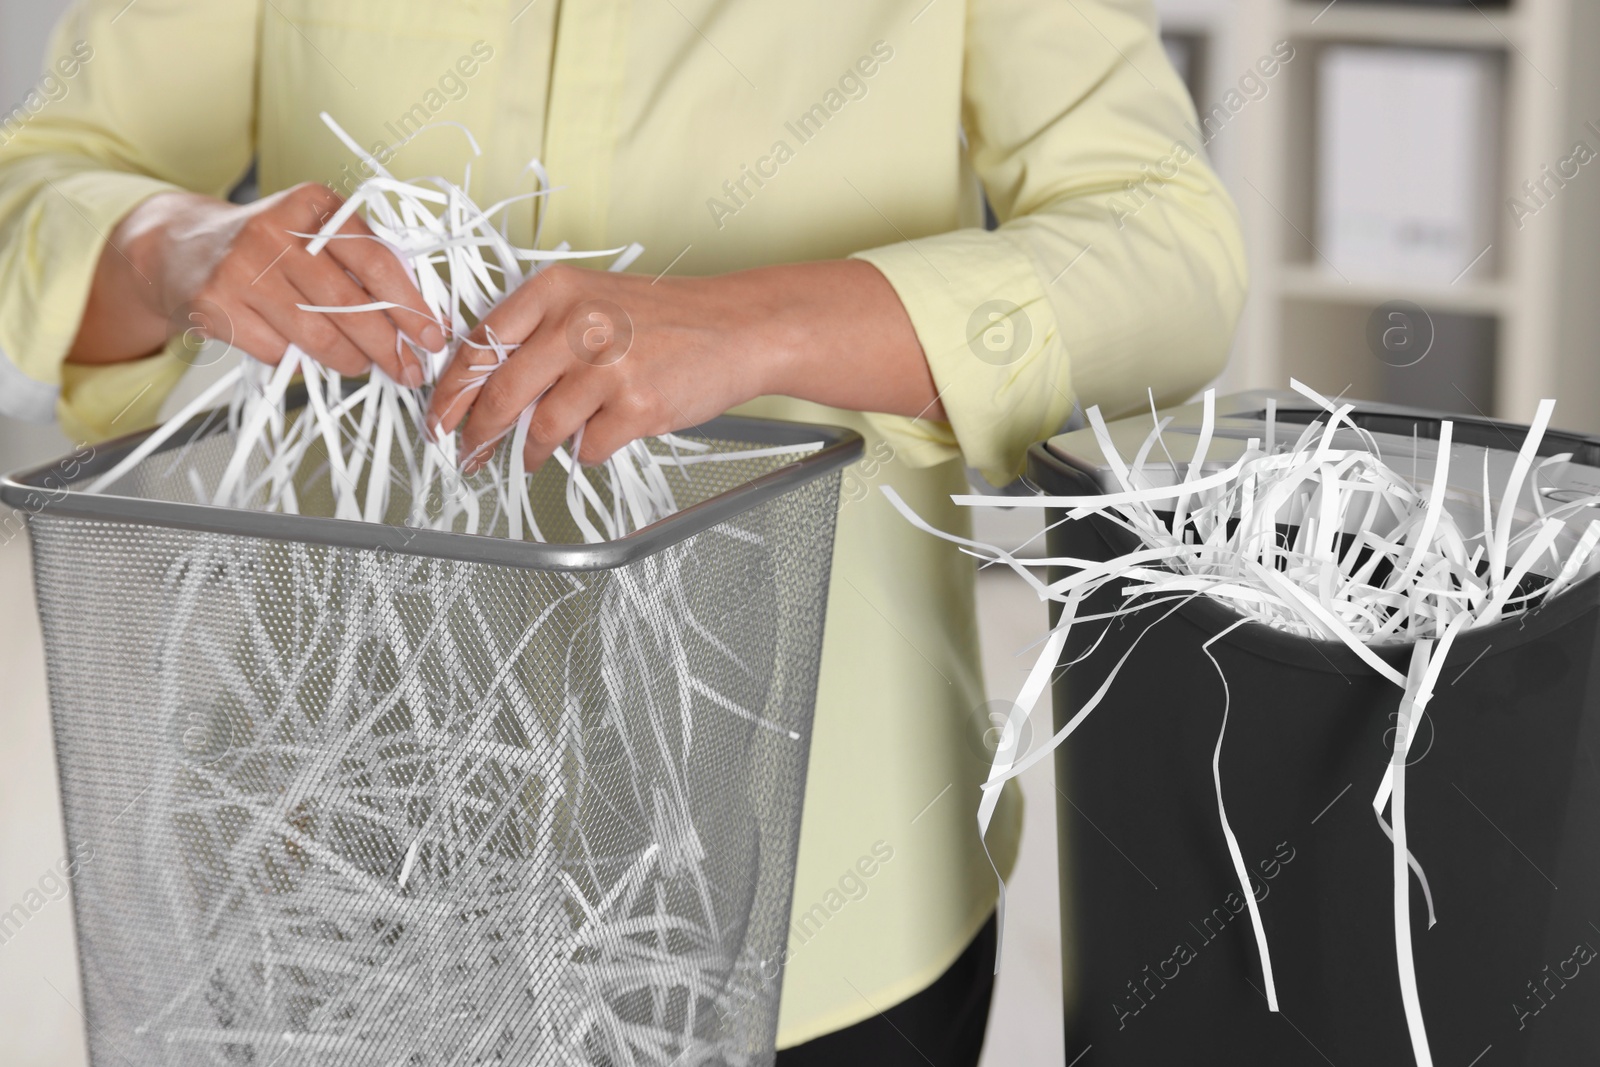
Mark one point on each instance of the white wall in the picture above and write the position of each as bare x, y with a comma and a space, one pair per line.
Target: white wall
24, 25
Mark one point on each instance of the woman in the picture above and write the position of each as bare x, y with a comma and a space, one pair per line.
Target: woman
808, 182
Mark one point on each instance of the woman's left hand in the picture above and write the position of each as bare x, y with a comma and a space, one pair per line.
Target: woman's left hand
619, 356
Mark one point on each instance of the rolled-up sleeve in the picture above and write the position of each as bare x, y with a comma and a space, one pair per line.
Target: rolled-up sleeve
1118, 265
133, 100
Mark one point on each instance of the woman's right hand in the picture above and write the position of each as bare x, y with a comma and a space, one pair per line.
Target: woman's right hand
178, 258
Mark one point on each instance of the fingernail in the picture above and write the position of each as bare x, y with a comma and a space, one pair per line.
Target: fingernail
411, 375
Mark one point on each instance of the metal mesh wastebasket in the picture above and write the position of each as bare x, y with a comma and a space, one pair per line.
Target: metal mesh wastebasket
1160, 961
369, 795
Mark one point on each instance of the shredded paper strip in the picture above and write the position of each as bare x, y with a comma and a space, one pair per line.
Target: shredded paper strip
1374, 558
410, 850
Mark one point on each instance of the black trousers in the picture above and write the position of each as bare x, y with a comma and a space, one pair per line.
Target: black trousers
943, 1025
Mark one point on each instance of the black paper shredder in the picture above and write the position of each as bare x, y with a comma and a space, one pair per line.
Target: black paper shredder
1503, 801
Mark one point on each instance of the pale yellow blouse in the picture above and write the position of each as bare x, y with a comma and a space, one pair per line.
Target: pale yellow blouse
723, 134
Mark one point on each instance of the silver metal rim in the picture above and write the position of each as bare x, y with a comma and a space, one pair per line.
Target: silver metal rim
40, 490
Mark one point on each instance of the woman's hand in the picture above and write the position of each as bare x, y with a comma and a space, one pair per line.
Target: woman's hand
179, 252
620, 357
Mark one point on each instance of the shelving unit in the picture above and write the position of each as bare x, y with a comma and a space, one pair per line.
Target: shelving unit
1300, 282
1524, 328
1383, 23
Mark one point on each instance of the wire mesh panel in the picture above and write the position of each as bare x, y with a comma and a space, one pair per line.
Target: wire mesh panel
361, 805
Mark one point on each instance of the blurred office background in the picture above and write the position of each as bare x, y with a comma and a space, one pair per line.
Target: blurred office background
1417, 191
1420, 190
24, 25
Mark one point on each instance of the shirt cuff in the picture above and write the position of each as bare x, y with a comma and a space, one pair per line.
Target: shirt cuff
990, 337
46, 288
111, 399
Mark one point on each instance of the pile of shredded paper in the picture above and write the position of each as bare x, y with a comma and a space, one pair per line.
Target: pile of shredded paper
367, 438
407, 852
1375, 557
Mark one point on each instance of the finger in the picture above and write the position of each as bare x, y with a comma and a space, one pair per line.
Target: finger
512, 322
519, 315
371, 331
560, 414
321, 201
275, 300
612, 427
628, 415
383, 276
518, 382
304, 208
458, 386
468, 374
253, 336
